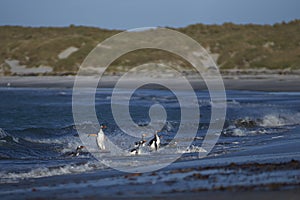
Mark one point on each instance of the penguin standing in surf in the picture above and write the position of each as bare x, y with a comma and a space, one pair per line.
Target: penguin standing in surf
154, 143
100, 137
138, 144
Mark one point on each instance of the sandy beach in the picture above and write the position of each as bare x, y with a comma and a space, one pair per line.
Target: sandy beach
256, 83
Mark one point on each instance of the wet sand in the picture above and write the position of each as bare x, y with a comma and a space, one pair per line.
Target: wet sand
266, 174
199, 179
266, 83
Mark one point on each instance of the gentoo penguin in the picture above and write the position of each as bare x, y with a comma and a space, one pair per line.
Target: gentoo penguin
138, 144
154, 144
100, 137
76, 152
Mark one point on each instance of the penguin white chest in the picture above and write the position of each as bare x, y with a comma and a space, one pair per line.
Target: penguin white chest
100, 140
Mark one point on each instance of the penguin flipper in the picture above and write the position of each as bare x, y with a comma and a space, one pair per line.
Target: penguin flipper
134, 151
151, 142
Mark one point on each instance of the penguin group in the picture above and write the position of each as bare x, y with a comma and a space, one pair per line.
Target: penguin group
100, 138
137, 145
153, 144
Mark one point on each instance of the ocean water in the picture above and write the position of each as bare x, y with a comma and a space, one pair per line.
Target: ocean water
37, 128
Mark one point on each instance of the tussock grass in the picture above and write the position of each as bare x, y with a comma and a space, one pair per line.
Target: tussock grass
239, 46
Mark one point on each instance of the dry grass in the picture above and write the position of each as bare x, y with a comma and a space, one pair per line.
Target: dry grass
238, 46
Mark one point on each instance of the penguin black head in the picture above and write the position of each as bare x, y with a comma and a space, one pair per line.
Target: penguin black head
80, 147
102, 127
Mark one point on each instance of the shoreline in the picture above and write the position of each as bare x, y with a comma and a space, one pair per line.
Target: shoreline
112, 184
270, 83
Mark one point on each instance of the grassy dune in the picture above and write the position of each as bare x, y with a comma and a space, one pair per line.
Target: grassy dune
234, 46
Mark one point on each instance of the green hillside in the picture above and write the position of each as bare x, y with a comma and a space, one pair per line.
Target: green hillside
234, 46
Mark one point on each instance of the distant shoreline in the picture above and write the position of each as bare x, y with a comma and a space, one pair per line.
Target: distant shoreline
279, 83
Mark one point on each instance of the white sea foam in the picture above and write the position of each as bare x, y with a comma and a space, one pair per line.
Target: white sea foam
238, 132
276, 120
272, 121
4, 134
191, 149
51, 171
268, 124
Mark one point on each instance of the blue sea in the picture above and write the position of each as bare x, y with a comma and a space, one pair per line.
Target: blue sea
37, 131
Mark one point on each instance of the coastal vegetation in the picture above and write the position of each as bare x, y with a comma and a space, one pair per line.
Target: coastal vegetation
63, 49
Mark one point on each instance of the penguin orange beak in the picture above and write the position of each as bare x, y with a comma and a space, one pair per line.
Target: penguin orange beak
103, 126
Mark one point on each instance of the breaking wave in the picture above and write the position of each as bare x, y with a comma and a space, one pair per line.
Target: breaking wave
268, 124
10, 177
